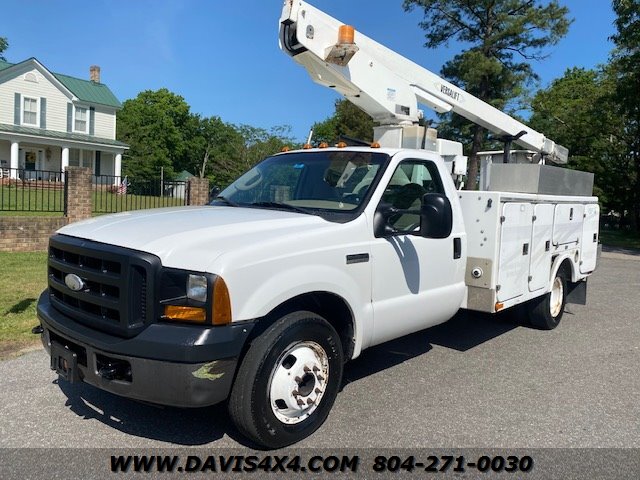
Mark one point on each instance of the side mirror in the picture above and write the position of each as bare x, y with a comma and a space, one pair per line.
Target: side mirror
381, 227
436, 216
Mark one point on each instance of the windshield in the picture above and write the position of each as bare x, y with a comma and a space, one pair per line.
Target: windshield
310, 182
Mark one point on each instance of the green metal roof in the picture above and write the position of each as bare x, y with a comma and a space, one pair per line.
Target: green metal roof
85, 90
89, 91
39, 132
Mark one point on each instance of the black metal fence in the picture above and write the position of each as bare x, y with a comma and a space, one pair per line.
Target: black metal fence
31, 190
117, 194
24, 190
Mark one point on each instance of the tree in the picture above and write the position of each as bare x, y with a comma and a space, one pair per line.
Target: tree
502, 36
4, 44
626, 64
579, 112
259, 143
164, 135
213, 147
156, 124
347, 120
226, 151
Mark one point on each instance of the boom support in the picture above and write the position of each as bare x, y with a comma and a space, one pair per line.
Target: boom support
385, 84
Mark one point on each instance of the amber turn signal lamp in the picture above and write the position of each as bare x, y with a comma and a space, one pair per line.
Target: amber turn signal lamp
185, 314
346, 34
499, 306
221, 303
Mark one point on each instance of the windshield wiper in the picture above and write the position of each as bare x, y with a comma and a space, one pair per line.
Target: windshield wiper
231, 203
284, 206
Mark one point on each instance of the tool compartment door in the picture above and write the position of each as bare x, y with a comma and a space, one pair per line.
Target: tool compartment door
515, 246
589, 245
567, 224
540, 262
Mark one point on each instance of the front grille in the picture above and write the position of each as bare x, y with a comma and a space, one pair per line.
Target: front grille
114, 294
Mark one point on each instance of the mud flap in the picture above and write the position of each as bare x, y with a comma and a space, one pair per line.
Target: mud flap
577, 293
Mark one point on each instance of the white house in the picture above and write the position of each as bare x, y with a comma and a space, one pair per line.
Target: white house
49, 121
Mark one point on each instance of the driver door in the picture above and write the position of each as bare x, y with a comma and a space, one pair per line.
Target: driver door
415, 279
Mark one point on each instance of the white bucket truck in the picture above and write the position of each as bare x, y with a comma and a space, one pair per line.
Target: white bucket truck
314, 255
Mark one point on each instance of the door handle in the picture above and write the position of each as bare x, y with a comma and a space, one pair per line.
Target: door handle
457, 248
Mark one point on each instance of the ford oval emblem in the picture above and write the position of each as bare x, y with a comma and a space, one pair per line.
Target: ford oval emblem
74, 282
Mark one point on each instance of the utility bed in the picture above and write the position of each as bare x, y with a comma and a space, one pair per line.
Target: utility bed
513, 239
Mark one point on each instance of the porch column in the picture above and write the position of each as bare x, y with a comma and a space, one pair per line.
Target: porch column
117, 166
64, 161
15, 155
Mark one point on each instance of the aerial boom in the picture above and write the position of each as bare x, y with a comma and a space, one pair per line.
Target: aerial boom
386, 85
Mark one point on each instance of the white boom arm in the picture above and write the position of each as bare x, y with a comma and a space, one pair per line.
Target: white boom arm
385, 84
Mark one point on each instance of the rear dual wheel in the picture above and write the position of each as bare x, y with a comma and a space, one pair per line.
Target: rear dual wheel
288, 381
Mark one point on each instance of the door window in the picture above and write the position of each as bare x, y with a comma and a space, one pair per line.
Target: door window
411, 180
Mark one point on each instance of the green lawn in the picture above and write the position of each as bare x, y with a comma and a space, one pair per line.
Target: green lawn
620, 238
23, 277
106, 202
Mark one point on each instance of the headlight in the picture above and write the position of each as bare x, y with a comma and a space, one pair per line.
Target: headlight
197, 288
194, 297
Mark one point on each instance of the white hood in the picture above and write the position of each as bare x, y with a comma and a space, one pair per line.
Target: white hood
187, 237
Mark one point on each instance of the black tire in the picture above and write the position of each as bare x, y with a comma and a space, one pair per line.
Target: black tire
276, 359
545, 312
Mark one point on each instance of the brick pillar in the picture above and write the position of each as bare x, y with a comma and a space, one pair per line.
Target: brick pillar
198, 191
78, 189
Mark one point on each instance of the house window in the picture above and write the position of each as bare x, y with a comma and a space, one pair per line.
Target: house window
87, 158
30, 111
81, 122
74, 157
80, 158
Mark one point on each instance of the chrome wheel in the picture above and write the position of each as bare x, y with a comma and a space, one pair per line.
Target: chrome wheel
298, 382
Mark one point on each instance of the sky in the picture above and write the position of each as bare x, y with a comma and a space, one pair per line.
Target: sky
223, 57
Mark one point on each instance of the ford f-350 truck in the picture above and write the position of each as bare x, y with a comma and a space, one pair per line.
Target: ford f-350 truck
313, 256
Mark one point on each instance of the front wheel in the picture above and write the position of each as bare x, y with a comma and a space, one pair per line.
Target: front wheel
288, 381
545, 312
